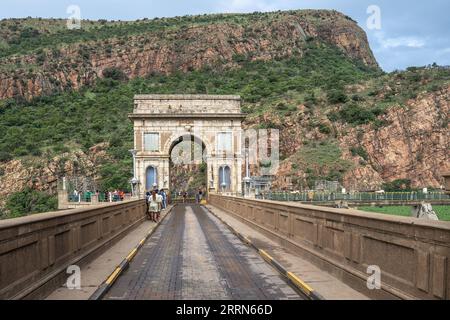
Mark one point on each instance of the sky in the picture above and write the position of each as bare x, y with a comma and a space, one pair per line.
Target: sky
401, 33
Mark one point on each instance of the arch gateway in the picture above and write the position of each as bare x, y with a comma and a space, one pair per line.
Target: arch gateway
162, 121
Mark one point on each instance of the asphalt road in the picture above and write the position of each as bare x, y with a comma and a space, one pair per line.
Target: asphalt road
192, 255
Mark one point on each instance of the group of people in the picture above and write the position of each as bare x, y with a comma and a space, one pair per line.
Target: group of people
198, 195
156, 201
107, 196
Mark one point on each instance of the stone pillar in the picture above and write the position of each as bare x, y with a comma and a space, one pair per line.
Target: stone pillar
238, 175
63, 199
94, 199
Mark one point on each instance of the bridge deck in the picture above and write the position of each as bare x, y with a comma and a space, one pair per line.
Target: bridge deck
192, 255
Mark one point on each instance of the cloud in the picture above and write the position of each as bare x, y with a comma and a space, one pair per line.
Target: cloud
406, 41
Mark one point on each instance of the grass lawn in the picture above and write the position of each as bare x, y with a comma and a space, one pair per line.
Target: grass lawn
443, 212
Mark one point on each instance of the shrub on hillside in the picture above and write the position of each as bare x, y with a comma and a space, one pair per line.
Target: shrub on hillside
359, 151
336, 96
397, 185
5, 156
30, 201
356, 114
115, 74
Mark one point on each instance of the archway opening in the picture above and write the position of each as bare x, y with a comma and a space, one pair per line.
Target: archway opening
188, 169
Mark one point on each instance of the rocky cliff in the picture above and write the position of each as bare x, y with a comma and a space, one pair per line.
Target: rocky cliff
414, 145
183, 46
44, 173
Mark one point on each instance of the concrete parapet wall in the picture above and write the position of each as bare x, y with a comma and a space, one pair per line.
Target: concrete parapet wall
413, 255
36, 250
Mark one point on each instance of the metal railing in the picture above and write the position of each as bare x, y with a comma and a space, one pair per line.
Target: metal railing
102, 197
315, 196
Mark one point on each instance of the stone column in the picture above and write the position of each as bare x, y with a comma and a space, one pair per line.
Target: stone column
62, 199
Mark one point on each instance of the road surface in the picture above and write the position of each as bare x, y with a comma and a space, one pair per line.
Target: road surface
192, 255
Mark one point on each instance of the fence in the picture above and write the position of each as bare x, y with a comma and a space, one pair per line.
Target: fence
359, 196
102, 197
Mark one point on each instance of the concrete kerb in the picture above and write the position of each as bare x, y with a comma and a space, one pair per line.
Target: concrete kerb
109, 282
289, 276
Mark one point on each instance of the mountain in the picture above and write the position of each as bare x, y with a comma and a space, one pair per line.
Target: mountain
41, 57
65, 96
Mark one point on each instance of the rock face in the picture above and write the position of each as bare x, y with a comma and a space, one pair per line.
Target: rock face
43, 174
414, 146
186, 48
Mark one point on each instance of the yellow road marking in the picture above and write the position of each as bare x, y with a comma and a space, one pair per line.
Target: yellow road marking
265, 255
113, 276
299, 282
131, 255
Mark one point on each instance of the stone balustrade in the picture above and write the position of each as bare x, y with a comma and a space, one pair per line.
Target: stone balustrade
36, 250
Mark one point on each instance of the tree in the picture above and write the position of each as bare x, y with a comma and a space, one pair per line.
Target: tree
30, 201
115, 74
398, 185
337, 96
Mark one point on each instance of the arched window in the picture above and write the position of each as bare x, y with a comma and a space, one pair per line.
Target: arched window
151, 177
224, 176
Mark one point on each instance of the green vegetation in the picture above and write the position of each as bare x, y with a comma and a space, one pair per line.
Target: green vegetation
27, 202
26, 35
385, 91
359, 151
356, 114
443, 212
398, 185
322, 161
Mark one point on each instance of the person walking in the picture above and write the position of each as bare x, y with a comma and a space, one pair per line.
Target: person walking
147, 199
164, 199
154, 204
184, 196
200, 195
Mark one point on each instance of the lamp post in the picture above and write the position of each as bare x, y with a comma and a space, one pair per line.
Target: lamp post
223, 184
134, 180
247, 178
134, 183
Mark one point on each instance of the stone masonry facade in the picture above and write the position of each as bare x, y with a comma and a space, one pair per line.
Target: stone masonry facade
203, 117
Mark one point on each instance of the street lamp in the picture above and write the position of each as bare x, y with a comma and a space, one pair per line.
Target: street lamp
134, 180
247, 178
134, 183
223, 184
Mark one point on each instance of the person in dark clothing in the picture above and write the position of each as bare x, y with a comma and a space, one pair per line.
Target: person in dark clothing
147, 196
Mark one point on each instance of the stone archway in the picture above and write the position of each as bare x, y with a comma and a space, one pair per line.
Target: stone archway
188, 165
159, 120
